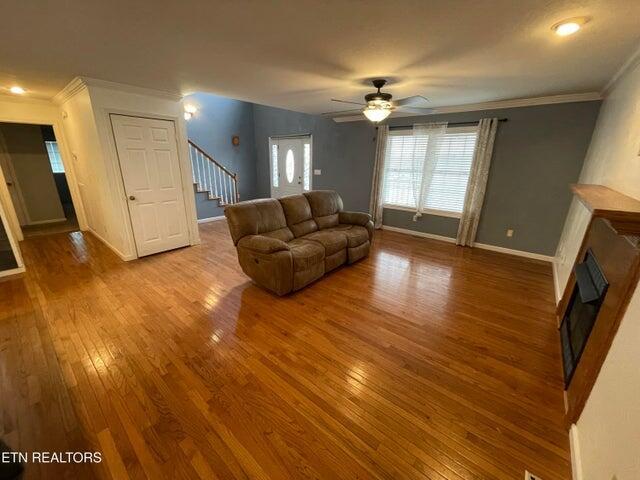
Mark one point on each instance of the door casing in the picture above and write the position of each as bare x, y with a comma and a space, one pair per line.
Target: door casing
282, 158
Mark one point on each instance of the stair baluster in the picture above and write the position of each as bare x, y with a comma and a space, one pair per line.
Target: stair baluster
211, 177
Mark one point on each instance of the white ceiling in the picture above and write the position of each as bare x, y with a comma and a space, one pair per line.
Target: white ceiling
298, 54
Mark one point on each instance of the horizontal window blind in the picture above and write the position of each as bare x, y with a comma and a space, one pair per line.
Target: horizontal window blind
446, 187
54, 157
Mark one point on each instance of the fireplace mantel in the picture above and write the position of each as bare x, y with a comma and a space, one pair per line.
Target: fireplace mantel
622, 212
612, 237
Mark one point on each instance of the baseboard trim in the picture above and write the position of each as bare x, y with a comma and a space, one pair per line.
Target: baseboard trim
556, 281
517, 253
415, 233
124, 257
211, 219
44, 222
483, 246
576, 459
13, 271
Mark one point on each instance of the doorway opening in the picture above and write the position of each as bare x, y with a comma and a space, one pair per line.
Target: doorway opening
36, 180
291, 165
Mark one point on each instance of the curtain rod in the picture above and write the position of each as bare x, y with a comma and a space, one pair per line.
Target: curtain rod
457, 124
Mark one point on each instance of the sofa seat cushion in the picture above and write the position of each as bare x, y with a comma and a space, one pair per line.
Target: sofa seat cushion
332, 241
305, 253
340, 227
355, 234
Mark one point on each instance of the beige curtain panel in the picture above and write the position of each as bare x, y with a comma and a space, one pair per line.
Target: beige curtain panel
430, 135
375, 202
477, 185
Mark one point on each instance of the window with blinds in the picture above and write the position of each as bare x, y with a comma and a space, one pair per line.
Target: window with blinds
445, 187
54, 157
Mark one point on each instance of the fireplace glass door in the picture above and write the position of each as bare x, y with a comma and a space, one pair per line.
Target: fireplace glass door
582, 312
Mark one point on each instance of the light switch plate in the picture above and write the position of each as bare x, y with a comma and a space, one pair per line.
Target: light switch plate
317, 171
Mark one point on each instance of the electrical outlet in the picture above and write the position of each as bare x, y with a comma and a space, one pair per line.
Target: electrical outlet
317, 171
531, 476
510, 233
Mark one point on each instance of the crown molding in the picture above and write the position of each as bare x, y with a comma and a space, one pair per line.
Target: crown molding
494, 105
78, 84
72, 88
20, 99
632, 62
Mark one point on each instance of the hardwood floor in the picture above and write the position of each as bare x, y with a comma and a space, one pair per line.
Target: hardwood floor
424, 360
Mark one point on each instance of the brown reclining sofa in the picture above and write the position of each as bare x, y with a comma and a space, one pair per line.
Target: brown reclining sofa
285, 244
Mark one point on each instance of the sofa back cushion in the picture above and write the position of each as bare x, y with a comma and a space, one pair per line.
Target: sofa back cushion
297, 211
264, 216
325, 205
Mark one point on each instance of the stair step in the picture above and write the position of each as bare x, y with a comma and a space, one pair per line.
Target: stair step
209, 196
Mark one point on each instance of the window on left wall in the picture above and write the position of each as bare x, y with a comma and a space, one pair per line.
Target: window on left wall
54, 157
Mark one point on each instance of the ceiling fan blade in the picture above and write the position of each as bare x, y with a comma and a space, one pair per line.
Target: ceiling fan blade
415, 101
423, 111
342, 112
346, 101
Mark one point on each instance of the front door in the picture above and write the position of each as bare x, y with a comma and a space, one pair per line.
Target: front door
148, 155
290, 165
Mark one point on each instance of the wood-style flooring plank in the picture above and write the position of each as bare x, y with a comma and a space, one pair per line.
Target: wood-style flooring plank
422, 361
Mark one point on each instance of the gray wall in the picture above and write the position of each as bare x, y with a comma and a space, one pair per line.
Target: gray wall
216, 121
537, 153
25, 146
343, 152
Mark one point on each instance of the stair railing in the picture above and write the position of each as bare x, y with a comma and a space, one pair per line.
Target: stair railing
209, 176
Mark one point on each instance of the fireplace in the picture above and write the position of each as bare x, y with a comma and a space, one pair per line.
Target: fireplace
604, 275
581, 313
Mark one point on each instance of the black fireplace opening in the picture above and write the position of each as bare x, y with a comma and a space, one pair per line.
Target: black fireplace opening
582, 311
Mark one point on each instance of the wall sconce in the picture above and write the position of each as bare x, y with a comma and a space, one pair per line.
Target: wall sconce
189, 110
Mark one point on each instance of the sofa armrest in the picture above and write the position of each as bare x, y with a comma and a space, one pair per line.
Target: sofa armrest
354, 218
262, 244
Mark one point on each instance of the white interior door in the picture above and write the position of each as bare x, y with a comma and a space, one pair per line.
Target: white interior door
148, 155
290, 166
12, 183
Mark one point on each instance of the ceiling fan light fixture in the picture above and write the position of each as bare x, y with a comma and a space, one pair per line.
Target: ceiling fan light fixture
376, 113
379, 105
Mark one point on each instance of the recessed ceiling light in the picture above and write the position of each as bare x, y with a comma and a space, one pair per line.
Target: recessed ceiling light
569, 26
17, 90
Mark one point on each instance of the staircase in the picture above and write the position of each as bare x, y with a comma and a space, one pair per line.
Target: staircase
212, 178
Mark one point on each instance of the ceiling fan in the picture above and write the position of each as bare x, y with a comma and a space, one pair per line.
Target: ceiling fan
378, 105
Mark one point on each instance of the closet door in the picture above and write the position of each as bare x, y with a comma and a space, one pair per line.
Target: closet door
148, 155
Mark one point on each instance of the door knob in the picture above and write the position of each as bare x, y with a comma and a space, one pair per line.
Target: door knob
131, 197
